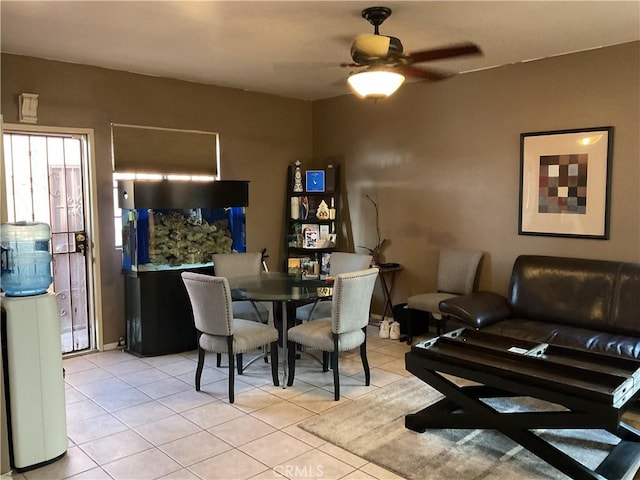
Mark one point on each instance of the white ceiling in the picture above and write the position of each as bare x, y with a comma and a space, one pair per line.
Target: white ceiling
294, 48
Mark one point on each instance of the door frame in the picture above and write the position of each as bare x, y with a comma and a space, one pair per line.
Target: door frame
94, 290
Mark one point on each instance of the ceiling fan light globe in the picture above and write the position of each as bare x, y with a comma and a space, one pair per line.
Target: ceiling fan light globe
375, 83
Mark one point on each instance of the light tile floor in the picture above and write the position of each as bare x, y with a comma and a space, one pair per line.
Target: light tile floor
141, 418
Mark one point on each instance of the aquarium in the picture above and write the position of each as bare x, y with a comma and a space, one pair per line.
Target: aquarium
179, 225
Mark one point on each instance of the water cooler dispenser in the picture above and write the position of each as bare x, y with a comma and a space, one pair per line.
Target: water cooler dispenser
31, 348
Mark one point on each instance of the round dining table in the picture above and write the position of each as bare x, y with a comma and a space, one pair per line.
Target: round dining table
286, 292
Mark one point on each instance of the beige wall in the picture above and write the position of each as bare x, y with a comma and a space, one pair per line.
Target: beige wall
259, 136
443, 160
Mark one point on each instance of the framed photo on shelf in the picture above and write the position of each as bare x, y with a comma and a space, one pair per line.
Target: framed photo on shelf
293, 266
565, 179
315, 180
310, 235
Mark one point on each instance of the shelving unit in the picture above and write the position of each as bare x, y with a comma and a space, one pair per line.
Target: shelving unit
311, 229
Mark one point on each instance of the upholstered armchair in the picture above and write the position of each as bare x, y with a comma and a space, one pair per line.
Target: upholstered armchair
220, 332
457, 270
231, 265
344, 330
340, 262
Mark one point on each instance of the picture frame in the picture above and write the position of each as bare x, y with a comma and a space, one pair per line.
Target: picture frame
315, 180
565, 180
310, 235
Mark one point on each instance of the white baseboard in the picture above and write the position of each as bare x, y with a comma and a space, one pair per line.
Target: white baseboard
110, 346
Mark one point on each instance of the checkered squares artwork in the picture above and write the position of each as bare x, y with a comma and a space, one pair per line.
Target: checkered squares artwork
563, 183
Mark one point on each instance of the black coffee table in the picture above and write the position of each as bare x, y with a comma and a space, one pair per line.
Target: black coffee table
594, 388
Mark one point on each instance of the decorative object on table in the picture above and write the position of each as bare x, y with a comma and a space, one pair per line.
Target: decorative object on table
376, 251
315, 180
322, 212
565, 179
297, 178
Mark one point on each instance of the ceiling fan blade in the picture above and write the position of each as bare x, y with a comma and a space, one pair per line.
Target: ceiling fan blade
446, 52
411, 71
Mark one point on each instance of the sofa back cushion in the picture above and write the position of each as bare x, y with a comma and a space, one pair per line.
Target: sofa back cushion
596, 294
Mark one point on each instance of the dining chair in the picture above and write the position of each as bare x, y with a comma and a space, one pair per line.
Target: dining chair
219, 332
339, 262
344, 330
457, 271
231, 265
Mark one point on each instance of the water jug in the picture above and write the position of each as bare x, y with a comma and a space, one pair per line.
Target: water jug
26, 261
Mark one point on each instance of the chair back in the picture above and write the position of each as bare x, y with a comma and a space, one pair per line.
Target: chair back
211, 303
343, 262
231, 265
352, 294
457, 270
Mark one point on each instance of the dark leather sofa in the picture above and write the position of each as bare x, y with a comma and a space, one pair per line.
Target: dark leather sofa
573, 302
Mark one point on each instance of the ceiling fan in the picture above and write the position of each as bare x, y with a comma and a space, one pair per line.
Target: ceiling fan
381, 53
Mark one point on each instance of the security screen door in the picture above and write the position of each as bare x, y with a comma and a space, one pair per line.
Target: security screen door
45, 182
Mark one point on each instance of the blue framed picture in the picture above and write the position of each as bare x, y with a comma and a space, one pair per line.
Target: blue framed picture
315, 180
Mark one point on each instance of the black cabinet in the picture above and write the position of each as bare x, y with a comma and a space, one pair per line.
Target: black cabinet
158, 312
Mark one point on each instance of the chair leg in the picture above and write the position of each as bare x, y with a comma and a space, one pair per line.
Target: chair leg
218, 359
444, 323
199, 367
274, 363
291, 360
411, 317
435, 321
231, 368
325, 361
365, 362
239, 360
334, 365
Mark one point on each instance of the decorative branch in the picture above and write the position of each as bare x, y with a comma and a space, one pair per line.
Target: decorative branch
381, 242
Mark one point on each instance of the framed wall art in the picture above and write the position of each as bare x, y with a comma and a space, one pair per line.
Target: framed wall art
565, 179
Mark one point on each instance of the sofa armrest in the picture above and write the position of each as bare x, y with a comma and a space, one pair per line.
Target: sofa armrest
478, 309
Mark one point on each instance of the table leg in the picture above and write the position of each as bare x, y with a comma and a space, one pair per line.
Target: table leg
285, 323
462, 408
387, 290
284, 318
